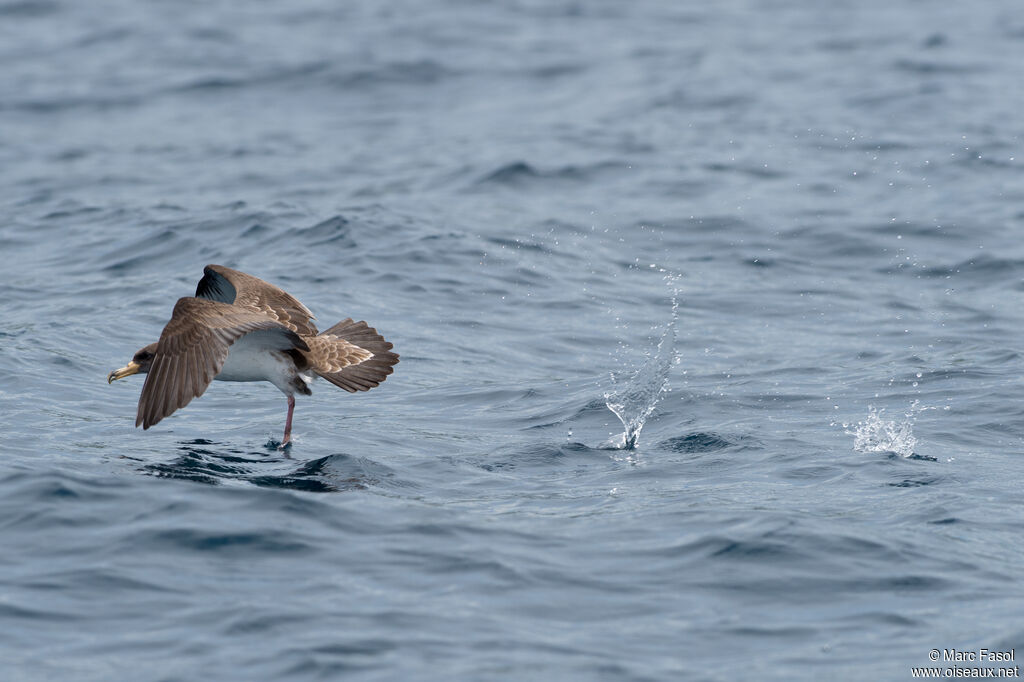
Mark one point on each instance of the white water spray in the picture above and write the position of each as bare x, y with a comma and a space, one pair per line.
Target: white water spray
636, 393
875, 434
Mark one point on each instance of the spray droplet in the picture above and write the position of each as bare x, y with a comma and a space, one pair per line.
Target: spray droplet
875, 434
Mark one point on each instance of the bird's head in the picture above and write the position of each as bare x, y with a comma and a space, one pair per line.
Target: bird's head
140, 364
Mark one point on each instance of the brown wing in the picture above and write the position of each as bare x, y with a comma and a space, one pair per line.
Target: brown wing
351, 355
192, 350
232, 286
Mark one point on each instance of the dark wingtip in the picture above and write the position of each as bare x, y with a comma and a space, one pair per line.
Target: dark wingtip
215, 286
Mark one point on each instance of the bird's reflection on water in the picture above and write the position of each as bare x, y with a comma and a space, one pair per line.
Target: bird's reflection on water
204, 461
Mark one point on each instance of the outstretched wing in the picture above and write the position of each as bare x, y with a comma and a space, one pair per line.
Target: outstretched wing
192, 350
252, 293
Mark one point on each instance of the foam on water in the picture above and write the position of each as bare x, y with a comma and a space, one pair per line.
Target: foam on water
635, 393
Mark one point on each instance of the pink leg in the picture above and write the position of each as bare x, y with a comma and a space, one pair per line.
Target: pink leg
288, 421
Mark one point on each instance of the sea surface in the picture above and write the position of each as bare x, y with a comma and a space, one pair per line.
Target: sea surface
781, 239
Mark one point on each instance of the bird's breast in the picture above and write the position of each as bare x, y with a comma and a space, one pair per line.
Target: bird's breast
245, 363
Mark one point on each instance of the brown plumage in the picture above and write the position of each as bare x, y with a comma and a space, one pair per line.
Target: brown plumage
253, 294
240, 328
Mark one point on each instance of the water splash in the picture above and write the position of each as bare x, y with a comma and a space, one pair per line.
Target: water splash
636, 393
876, 434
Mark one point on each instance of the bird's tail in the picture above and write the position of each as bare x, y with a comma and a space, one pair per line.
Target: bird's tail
352, 355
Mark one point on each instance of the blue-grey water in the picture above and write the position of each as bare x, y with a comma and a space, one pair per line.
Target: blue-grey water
783, 237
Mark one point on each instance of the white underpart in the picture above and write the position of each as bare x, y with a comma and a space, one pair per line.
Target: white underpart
249, 359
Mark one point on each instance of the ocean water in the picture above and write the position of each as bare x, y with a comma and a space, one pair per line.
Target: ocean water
780, 239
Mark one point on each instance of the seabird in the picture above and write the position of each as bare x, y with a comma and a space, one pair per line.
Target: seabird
239, 328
